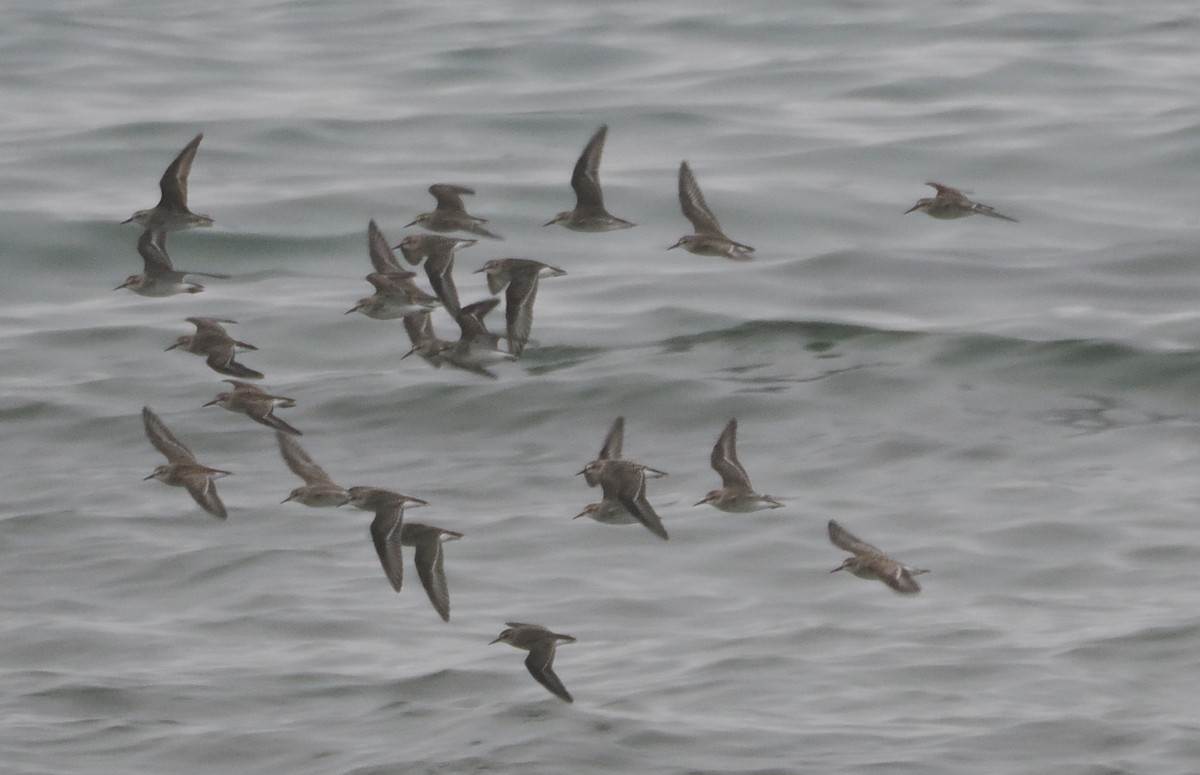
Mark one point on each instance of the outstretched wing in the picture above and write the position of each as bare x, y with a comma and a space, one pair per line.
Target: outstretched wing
163, 440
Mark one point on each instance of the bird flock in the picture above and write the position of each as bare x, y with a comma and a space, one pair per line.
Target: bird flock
396, 295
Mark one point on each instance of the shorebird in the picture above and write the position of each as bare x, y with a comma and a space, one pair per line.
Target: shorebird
589, 213
708, 240
389, 532
159, 277
476, 349
376, 498
450, 214
396, 295
614, 440
424, 342
213, 341
870, 563
521, 277
438, 253
736, 494
318, 490
428, 558
950, 203
172, 213
540, 643
623, 484
181, 469
255, 403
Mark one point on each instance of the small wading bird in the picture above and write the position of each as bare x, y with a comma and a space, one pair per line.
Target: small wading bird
424, 343
438, 253
623, 484
950, 203
181, 469
736, 494
520, 275
708, 240
159, 277
219, 348
396, 295
389, 532
318, 491
172, 213
255, 403
589, 213
450, 214
870, 563
540, 643
476, 349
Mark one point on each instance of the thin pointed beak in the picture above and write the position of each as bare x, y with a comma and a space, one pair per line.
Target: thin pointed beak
497, 640
127, 220
477, 271
700, 503
172, 347
147, 478
125, 284
347, 312
410, 352
412, 223
550, 223
677, 244
285, 500
911, 209
580, 473
838, 568
212, 402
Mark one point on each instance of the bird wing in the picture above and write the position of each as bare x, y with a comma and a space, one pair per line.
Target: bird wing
163, 440
300, 463
174, 181
695, 209
518, 309
397, 285
382, 257
419, 328
944, 190
385, 534
428, 559
540, 664
449, 196
901, 580
611, 450
470, 318
439, 264
585, 178
152, 247
210, 326
263, 412
990, 211
724, 459
221, 360
844, 539
626, 484
204, 491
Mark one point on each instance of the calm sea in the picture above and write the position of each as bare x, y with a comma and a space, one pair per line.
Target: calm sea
1014, 406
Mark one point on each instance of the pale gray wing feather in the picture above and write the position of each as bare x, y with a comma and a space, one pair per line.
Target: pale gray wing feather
163, 440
